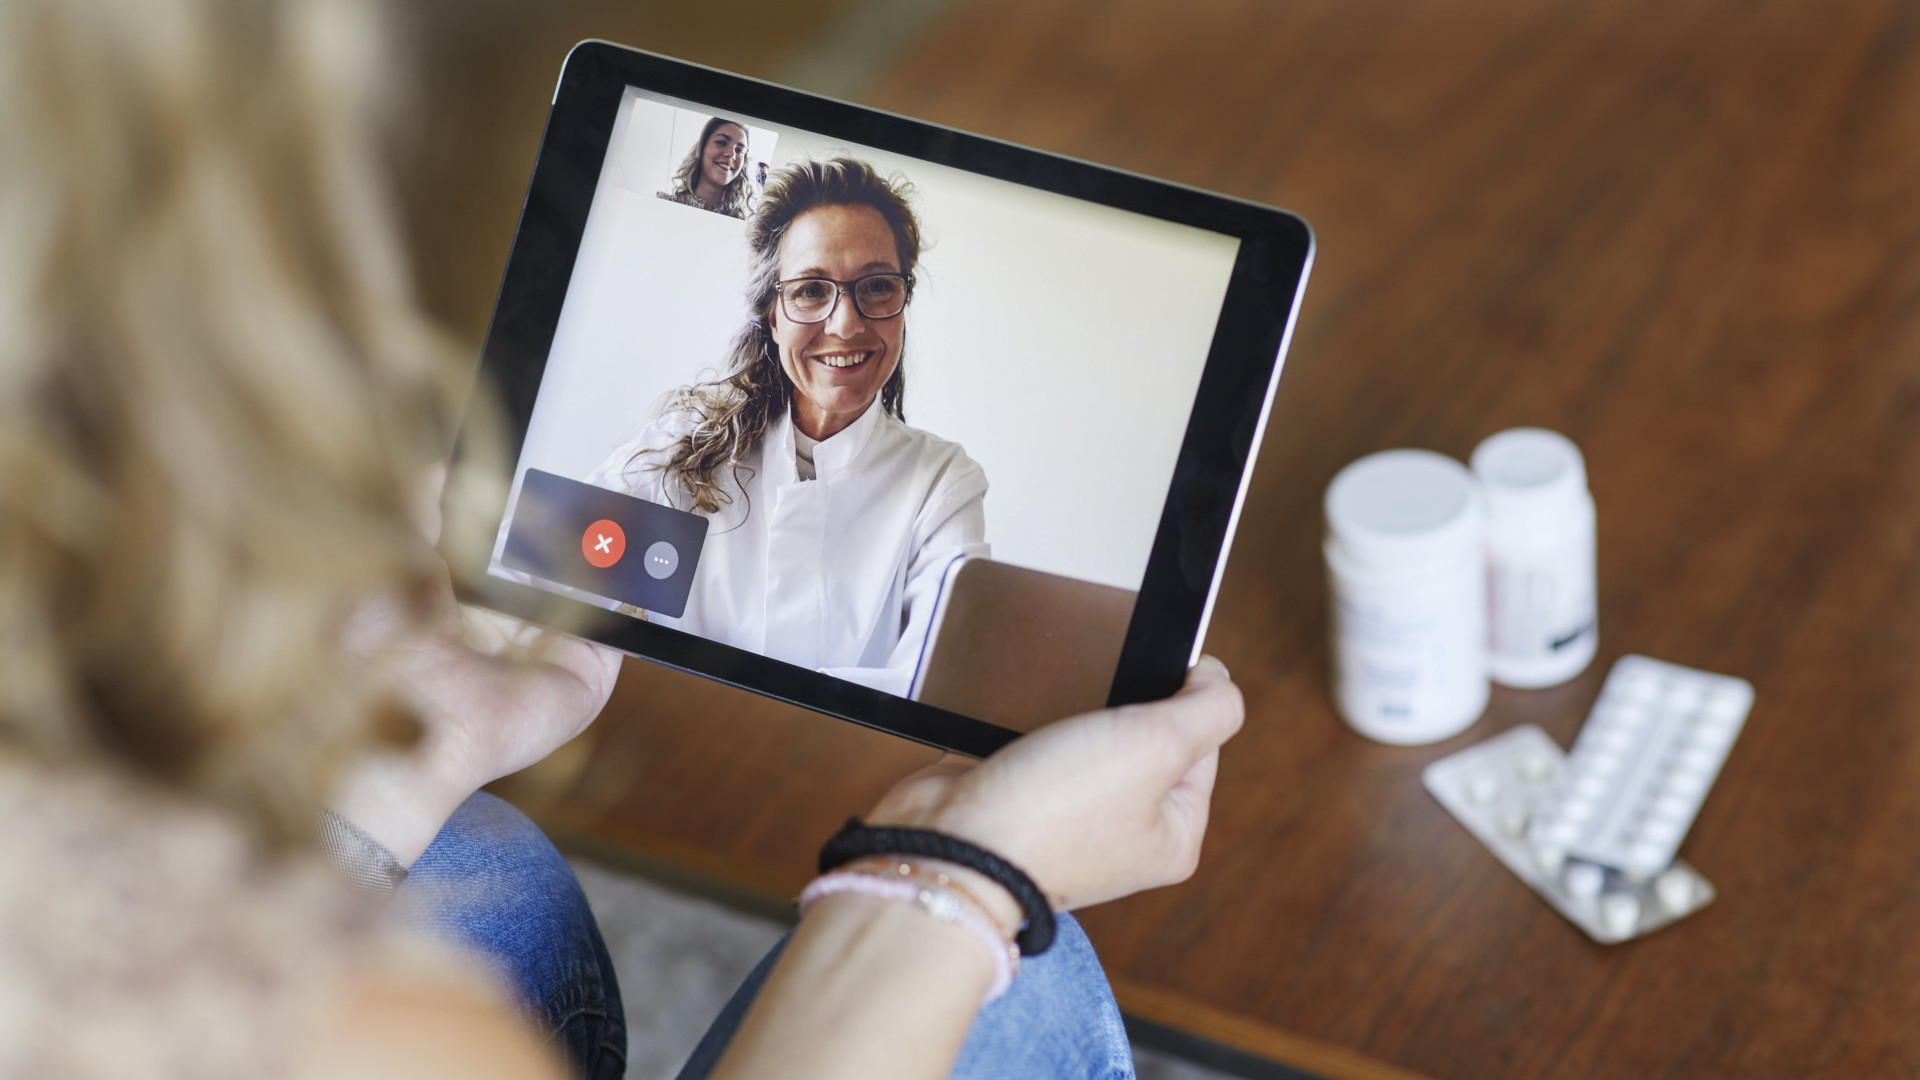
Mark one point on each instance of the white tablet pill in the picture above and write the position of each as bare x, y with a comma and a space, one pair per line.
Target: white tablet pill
1683, 696
1483, 788
1621, 912
1661, 830
1585, 880
1638, 686
1578, 810
1549, 858
1628, 714
1675, 889
1721, 713
1713, 738
1513, 822
1672, 807
1535, 766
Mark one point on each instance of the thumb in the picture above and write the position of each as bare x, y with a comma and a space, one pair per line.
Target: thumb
1206, 711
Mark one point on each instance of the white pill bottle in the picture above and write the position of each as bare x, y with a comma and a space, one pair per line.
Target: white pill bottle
1542, 604
1406, 596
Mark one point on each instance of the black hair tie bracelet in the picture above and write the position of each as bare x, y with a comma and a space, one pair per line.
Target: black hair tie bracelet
857, 841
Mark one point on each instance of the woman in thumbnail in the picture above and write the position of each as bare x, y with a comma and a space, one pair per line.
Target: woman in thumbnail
714, 176
833, 521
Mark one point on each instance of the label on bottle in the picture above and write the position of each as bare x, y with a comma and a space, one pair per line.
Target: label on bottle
1408, 661
1541, 608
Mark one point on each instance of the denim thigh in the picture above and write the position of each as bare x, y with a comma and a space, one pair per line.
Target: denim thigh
494, 883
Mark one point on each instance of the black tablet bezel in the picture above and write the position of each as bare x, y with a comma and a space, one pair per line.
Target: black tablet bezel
1229, 411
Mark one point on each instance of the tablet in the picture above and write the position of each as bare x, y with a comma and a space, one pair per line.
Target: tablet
772, 365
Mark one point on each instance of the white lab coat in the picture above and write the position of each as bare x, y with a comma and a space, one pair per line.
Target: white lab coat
840, 573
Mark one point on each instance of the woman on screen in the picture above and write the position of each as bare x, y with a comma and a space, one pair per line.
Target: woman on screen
833, 520
714, 176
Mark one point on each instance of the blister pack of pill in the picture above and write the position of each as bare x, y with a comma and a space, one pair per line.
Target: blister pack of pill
1496, 787
1651, 748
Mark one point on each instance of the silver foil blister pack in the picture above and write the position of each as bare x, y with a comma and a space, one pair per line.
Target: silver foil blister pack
1643, 763
1494, 788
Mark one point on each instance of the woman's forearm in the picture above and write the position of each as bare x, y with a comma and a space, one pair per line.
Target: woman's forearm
867, 987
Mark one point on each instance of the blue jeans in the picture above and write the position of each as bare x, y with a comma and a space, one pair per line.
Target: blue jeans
494, 883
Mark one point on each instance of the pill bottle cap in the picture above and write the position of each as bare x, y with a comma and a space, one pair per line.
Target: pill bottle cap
1530, 474
1406, 507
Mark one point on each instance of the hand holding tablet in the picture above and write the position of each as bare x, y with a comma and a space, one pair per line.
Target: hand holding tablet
1094, 807
904, 348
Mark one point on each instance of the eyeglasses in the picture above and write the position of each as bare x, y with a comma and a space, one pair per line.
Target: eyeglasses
812, 299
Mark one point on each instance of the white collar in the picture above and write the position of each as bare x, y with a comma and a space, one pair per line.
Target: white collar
833, 454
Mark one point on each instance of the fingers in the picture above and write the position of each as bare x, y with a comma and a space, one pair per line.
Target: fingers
1209, 667
494, 634
595, 667
609, 662
1205, 713
950, 766
591, 662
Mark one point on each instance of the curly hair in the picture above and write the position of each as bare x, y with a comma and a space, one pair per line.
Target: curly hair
730, 414
736, 199
216, 394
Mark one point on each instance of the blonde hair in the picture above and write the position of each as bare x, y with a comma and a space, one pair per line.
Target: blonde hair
216, 392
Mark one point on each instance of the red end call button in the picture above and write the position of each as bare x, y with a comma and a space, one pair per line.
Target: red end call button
603, 543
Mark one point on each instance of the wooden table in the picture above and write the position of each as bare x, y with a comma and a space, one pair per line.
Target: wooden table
1686, 234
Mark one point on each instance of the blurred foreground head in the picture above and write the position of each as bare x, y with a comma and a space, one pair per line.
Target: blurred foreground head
216, 394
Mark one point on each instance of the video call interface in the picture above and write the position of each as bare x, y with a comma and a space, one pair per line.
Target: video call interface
796, 382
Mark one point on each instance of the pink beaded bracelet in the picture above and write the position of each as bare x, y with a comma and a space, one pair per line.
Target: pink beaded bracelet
944, 904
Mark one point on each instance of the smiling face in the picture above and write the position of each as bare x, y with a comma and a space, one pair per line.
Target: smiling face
724, 155
838, 366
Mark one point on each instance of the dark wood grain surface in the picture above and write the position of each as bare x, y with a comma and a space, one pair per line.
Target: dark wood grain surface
1686, 234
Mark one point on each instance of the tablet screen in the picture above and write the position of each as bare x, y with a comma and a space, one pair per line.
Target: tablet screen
794, 379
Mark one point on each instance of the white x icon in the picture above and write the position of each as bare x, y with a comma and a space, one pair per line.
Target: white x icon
605, 544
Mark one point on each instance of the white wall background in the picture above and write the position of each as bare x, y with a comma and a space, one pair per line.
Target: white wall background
1059, 342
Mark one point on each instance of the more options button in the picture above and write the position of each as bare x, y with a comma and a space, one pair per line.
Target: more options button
661, 560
